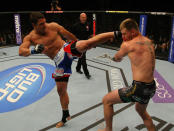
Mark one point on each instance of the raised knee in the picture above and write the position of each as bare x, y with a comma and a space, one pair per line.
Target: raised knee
105, 100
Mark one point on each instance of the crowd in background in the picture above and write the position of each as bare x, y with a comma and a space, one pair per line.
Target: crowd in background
7, 38
162, 45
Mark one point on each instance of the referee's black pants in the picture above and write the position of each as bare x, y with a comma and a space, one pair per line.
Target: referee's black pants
82, 62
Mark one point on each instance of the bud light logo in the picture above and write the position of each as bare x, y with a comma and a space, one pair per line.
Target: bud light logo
24, 84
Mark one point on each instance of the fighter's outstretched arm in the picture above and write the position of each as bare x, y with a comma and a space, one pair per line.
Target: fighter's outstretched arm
84, 45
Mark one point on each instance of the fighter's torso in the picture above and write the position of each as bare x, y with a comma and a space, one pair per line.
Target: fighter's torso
51, 40
142, 59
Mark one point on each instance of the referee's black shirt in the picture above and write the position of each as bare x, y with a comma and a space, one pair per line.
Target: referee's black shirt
82, 31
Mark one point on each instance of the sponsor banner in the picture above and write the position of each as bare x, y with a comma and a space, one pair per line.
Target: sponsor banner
164, 92
17, 28
171, 51
24, 84
116, 79
142, 24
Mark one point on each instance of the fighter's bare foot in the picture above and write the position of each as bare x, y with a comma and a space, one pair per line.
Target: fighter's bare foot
60, 123
104, 129
101, 130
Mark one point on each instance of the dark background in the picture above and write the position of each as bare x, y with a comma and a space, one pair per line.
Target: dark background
158, 26
130, 5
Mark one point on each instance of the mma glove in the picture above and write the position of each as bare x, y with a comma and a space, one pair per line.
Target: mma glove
117, 34
38, 49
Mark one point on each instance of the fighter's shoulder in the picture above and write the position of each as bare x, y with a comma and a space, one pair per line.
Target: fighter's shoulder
52, 24
28, 36
127, 45
124, 45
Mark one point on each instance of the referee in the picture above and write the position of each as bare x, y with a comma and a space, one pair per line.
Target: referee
82, 30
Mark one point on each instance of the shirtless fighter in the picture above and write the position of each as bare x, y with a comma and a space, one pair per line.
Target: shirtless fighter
46, 39
140, 51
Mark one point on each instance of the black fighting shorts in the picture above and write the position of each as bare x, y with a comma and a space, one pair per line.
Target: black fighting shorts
138, 92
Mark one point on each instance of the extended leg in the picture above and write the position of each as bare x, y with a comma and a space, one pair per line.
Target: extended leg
141, 109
